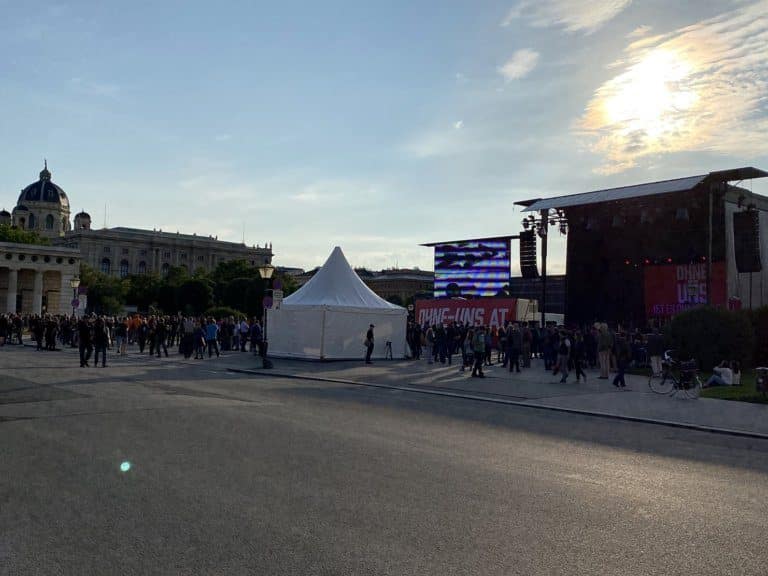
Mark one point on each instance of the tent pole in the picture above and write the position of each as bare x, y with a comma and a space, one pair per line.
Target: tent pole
322, 337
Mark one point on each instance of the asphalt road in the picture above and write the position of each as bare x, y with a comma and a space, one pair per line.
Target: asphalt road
232, 474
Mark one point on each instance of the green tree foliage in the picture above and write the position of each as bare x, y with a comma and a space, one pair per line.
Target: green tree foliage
244, 294
219, 312
194, 296
288, 282
12, 234
143, 290
227, 271
711, 335
106, 294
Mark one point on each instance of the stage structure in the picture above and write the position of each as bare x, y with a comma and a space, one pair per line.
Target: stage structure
477, 267
645, 252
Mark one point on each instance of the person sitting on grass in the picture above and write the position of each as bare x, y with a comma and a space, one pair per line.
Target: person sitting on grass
723, 375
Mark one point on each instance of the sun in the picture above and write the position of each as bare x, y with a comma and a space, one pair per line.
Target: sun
653, 97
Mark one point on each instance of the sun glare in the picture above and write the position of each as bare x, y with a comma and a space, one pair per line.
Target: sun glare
653, 96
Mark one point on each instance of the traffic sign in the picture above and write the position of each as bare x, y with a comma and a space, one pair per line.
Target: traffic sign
277, 295
277, 284
267, 301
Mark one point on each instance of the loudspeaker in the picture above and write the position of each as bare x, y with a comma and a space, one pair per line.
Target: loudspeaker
746, 241
528, 266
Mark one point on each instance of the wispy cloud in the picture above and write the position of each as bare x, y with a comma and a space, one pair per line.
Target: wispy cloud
519, 65
700, 88
459, 124
582, 16
639, 32
222, 137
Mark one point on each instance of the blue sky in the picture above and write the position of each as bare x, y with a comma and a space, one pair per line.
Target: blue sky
373, 127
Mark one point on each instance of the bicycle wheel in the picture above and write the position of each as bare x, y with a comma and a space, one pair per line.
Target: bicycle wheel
661, 383
694, 387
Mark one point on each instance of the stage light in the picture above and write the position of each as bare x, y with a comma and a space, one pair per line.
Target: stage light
669, 260
646, 261
627, 262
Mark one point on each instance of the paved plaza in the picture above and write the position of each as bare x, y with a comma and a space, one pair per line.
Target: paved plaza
173, 466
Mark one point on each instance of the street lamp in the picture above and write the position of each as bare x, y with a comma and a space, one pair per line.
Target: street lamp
265, 271
74, 284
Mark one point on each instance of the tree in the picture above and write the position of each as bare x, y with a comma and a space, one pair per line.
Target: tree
12, 234
106, 294
143, 290
395, 299
288, 282
244, 294
228, 271
195, 296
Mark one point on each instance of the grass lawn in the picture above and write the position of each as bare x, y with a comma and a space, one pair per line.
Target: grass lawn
744, 393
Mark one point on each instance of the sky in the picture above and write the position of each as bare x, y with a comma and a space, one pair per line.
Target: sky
372, 126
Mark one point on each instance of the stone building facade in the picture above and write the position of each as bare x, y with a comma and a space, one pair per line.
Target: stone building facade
43, 207
36, 279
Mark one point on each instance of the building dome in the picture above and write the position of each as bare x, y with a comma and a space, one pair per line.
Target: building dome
4, 213
21, 208
83, 214
44, 190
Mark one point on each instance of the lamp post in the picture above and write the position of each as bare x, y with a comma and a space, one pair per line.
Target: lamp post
74, 284
265, 271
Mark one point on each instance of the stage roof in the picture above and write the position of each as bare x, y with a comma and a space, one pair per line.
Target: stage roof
431, 244
640, 190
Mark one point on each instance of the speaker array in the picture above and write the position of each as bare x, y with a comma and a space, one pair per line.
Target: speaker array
746, 241
528, 267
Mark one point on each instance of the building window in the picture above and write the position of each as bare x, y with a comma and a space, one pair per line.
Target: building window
49, 222
106, 265
107, 250
22, 222
166, 269
201, 258
183, 255
143, 252
63, 224
167, 254
142, 267
125, 250
124, 268
32, 222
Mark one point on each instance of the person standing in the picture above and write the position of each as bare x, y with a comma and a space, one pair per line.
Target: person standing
604, 347
369, 344
100, 341
430, 339
211, 334
245, 329
478, 350
655, 350
514, 347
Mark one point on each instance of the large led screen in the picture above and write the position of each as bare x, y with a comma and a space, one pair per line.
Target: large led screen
471, 267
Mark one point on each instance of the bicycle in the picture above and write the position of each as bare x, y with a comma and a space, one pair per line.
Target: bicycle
676, 376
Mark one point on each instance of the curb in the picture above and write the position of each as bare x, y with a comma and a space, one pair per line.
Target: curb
436, 391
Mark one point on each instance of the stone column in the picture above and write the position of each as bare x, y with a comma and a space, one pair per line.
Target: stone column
13, 286
37, 293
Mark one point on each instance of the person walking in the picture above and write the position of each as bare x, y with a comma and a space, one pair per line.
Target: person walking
84, 341
161, 337
623, 356
563, 356
430, 340
369, 340
578, 354
478, 350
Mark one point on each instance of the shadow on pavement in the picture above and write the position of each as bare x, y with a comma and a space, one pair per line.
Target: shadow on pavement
675, 443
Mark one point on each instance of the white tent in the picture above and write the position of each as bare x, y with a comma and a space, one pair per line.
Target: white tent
328, 317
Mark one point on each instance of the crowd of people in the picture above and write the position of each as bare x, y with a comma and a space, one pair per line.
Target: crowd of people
513, 345
155, 334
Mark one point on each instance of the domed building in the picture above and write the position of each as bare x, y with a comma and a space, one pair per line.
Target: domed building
43, 207
35, 279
